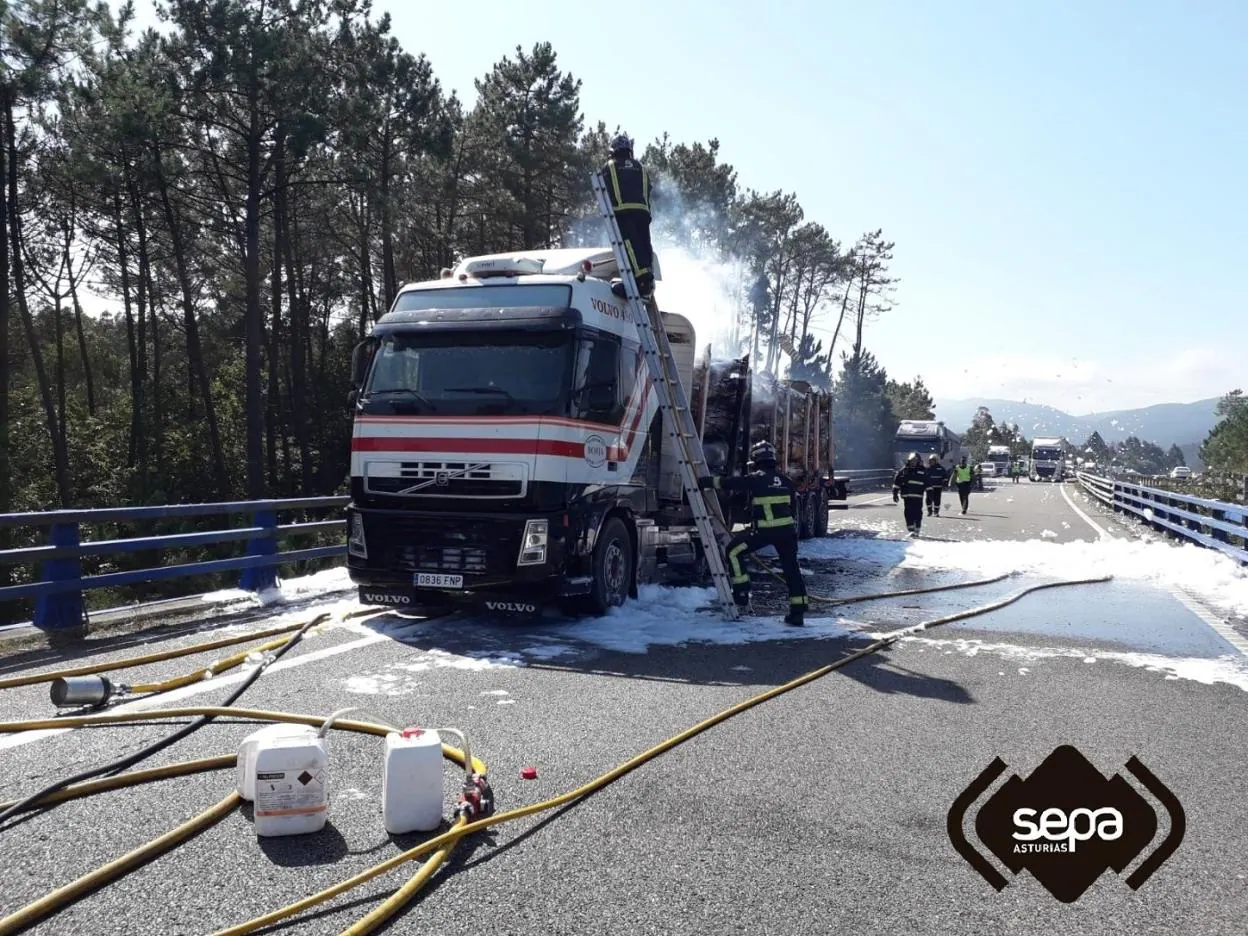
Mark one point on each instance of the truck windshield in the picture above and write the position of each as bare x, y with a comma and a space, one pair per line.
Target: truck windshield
458, 373
922, 446
506, 295
1047, 454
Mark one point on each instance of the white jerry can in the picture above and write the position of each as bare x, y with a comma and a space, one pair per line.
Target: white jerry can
412, 785
245, 768
291, 783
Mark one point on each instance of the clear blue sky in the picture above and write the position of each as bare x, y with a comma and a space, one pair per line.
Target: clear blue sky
1065, 181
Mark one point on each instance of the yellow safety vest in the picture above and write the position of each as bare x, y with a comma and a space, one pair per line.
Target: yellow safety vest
962, 474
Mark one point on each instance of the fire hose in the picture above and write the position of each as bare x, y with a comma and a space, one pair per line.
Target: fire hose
473, 819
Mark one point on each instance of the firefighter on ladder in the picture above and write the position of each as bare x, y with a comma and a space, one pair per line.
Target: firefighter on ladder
628, 187
772, 510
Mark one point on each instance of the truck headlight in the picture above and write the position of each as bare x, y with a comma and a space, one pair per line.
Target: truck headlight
533, 545
356, 545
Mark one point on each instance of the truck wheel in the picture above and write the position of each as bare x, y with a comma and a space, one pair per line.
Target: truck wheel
821, 513
613, 567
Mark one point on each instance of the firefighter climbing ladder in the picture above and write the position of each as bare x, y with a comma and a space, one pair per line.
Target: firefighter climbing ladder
674, 404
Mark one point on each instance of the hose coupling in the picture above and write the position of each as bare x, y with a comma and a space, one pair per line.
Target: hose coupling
476, 800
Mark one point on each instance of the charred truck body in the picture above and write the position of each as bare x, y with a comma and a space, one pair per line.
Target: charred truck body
508, 450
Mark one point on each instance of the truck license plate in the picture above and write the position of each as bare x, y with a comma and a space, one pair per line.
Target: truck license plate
438, 580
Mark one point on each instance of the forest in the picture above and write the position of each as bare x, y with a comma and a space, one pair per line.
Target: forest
200, 221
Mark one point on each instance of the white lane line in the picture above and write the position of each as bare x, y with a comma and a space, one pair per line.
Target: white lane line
1187, 599
877, 500
1221, 628
1101, 532
208, 685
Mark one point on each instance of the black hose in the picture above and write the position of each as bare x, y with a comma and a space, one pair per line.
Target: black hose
142, 754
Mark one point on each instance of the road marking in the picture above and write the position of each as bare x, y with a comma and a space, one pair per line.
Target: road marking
877, 500
1185, 598
208, 685
1221, 628
1101, 532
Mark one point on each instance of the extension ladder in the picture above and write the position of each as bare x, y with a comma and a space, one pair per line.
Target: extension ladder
674, 404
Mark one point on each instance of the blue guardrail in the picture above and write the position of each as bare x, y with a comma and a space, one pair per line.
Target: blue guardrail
58, 593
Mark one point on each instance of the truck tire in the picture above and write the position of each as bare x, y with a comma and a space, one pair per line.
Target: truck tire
821, 513
612, 567
809, 502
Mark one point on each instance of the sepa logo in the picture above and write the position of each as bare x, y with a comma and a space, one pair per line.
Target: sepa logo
1067, 824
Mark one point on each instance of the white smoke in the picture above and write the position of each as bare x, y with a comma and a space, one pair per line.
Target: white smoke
699, 281
703, 291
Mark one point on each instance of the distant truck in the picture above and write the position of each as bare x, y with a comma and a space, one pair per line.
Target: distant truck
999, 455
1048, 460
927, 437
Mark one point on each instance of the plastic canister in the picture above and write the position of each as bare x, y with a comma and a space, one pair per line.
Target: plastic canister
412, 783
245, 768
291, 775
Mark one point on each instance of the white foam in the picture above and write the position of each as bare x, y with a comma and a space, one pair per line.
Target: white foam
324, 582
1218, 579
1226, 669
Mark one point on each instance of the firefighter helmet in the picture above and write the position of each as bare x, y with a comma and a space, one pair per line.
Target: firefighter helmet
913, 457
763, 453
621, 144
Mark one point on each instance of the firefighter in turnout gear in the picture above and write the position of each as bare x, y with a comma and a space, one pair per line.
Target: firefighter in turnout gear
628, 187
910, 487
773, 502
936, 478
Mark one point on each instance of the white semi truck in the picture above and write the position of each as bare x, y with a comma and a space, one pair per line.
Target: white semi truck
1048, 459
508, 450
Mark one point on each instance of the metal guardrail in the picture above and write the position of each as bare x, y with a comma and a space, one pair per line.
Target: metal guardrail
1210, 523
58, 595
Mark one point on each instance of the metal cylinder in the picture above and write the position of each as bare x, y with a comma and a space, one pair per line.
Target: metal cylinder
81, 690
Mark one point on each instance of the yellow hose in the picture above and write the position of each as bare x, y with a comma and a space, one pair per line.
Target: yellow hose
213, 669
118, 718
878, 596
134, 778
62, 896
400, 898
443, 844
14, 681
611, 776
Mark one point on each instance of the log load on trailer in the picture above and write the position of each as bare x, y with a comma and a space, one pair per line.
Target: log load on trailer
792, 415
508, 451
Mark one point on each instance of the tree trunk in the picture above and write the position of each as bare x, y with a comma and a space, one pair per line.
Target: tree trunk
136, 385
194, 347
298, 335
87, 375
145, 302
390, 283
254, 315
60, 457
6, 465
272, 422
61, 391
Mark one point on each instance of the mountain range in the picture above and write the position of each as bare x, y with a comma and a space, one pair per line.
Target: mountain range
1183, 424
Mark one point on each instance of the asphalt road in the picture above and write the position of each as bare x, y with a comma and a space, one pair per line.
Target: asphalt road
821, 811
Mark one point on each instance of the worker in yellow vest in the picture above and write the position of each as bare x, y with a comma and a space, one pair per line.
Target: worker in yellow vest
963, 477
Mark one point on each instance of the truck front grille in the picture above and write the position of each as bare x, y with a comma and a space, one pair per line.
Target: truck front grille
446, 479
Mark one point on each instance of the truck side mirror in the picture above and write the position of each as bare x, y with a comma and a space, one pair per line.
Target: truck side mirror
361, 357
